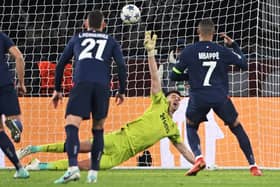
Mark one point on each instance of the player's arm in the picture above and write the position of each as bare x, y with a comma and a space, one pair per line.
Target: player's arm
236, 56
122, 73
178, 71
16, 53
181, 147
150, 43
64, 59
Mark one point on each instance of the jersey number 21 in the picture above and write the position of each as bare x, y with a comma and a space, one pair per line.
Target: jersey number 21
90, 44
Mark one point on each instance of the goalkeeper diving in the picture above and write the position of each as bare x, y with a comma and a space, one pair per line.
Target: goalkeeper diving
155, 124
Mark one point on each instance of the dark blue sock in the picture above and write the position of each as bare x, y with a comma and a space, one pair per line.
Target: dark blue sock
8, 148
244, 142
72, 144
97, 148
193, 139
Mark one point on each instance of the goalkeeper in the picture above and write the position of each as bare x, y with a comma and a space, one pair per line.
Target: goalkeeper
156, 123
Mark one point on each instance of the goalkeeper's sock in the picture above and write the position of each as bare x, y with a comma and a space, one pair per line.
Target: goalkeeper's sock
9, 149
72, 144
55, 165
55, 148
244, 143
97, 148
193, 139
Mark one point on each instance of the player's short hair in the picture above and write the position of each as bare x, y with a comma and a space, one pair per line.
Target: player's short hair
95, 19
206, 26
171, 92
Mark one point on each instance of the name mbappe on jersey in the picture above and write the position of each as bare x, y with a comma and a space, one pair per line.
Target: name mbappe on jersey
208, 55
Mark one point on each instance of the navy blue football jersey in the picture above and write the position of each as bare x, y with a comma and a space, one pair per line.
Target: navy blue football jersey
6, 77
93, 54
207, 66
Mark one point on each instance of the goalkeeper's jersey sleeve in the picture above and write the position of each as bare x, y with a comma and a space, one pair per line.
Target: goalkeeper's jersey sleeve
152, 126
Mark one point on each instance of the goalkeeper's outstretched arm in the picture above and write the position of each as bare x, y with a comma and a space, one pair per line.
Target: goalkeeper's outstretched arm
181, 147
150, 43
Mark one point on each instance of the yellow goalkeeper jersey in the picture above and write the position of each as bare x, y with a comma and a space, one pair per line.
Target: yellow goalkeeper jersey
152, 126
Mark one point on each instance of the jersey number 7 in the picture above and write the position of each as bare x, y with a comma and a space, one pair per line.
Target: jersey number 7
90, 44
211, 66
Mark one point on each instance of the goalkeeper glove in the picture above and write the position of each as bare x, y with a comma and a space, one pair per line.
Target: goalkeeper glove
150, 43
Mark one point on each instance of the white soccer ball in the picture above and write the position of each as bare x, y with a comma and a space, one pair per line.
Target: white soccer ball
130, 14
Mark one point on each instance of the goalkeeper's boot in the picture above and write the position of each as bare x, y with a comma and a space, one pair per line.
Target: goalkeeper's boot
255, 171
25, 151
21, 173
92, 176
15, 131
33, 165
72, 174
199, 164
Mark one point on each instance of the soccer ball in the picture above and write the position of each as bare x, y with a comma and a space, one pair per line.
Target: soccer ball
130, 14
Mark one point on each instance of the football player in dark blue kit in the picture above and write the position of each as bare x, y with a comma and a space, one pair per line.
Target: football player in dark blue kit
9, 104
207, 65
93, 52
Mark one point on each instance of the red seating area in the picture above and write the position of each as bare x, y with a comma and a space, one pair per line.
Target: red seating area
47, 74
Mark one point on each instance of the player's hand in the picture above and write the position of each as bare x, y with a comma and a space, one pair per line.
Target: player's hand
21, 88
227, 40
119, 98
56, 97
150, 43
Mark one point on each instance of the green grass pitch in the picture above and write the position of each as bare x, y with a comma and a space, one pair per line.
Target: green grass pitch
148, 178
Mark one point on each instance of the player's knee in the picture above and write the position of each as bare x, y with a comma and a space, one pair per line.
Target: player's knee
234, 123
13, 117
98, 124
73, 120
192, 125
190, 122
